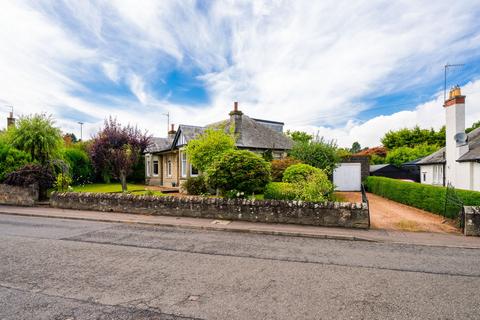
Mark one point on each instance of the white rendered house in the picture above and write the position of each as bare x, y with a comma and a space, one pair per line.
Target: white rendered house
458, 163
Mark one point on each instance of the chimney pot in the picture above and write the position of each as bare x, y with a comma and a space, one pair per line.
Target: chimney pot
173, 127
235, 106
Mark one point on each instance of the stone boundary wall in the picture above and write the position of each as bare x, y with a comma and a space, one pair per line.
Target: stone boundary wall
333, 214
472, 221
19, 196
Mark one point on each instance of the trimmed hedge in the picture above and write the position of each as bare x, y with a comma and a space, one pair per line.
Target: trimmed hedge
281, 191
422, 196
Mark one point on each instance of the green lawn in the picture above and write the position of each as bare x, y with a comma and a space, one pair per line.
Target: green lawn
138, 189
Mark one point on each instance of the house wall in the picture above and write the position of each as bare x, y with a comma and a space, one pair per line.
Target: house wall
173, 180
476, 176
427, 174
150, 177
464, 175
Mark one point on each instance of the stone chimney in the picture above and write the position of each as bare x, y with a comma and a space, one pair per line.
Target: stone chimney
171, 133
10, 120
455, 124
236, 119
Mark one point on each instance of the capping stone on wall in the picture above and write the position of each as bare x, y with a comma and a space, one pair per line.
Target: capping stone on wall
472, 221
18, 196
333, 214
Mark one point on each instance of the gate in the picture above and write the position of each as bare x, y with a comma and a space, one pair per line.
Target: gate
454, 206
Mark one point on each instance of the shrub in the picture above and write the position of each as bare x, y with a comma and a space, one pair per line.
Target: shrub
317, 188
239, 170
33, 174
63, 182
422, 196
11, 159
279, 166
299, 173
281, 191
195, 185
81, 170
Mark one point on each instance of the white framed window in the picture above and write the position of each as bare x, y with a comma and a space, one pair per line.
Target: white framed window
424, 176
169, 168
155, 167
193, 171
148, 167
183, 158
438, 174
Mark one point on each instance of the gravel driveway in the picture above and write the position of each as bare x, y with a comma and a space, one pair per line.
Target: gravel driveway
391, 215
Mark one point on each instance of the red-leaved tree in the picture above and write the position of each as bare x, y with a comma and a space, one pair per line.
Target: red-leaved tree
115, 150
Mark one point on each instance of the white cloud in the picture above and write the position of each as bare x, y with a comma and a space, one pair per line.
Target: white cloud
308, 63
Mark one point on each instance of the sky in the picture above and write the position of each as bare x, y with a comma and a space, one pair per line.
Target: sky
347, 70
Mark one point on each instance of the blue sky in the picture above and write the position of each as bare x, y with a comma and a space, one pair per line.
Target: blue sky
349, 70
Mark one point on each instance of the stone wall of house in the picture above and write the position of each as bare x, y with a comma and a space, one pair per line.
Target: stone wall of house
472, 221
18, 196
349, 215
168, 181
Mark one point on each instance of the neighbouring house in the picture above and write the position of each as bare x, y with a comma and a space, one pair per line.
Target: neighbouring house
458, 163
166, 163
391, 171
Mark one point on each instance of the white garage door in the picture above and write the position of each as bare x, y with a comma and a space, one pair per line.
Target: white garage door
348, 177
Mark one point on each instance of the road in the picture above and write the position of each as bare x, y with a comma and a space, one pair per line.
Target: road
65, 269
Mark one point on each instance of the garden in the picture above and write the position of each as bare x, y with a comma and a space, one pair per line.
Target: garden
36, 152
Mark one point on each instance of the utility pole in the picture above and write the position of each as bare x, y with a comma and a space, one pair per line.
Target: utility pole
445, 78
81, 130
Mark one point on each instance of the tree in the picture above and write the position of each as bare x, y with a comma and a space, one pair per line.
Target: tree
401, 155
317, 153
209, 146
239, 170
413, 137
474, 126
355, 147
115, 150
299, 136
69, 139
37, 135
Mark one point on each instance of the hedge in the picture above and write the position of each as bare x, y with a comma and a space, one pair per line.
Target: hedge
423, 196
280, 191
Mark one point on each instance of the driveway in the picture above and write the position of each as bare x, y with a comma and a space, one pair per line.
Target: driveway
391, 215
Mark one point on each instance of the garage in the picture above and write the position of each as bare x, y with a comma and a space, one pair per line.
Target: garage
348, 177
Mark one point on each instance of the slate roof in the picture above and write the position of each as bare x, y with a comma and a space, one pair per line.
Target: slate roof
251, 134
375, 167
473, 154
474, 145
189, 132
159, 144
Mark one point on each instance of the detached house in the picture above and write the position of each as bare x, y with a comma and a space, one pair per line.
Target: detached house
458, 163
166, 163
